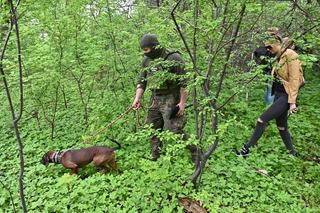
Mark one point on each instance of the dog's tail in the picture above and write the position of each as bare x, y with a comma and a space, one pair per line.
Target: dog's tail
116, 142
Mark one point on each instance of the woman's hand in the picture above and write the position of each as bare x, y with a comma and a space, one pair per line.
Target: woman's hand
293, 108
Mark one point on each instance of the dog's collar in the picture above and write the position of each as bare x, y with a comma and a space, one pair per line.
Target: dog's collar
56, 156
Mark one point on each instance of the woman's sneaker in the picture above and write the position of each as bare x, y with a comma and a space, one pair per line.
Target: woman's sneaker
244, 152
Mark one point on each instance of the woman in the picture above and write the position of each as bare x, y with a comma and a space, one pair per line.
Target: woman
288, 78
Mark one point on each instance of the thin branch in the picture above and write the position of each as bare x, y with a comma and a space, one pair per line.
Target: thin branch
194, 54
233, 95
15, 22
10, 194
181, 34
214, 3
221, 45
225, 13
6, 41
203, 162
55, 108
219, 87
14, 119
214, 123
295, 3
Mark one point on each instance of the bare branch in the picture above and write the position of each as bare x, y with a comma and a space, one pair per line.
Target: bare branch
181, 34
214, 3
234, 37
14, 118
295, 3
15, 23
213, 103
10, 194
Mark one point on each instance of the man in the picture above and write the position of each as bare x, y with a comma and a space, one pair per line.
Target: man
163, 70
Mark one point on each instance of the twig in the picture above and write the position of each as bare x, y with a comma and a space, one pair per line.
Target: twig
301, 9
181, 34
10, 194
95, 134
234, 94
213, 102
222, 74
15, 22
14, 118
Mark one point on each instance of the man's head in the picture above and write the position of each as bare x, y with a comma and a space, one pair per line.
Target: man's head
150, 45
149, 40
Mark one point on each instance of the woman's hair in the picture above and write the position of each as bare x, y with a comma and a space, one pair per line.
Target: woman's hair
273, 31
272, 35
287, 42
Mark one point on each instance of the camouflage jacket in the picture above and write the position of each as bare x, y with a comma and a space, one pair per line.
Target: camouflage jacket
163, 75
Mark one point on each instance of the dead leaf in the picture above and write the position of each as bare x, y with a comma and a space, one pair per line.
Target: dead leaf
262, 172
191, 206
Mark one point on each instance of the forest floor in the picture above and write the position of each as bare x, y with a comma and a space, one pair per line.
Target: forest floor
269, 180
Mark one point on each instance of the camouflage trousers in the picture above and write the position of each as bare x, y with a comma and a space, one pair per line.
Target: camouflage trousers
159, 114
159, 117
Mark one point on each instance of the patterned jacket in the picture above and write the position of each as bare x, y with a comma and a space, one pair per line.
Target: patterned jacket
164, 74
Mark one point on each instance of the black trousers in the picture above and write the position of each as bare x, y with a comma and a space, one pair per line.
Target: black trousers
279, 111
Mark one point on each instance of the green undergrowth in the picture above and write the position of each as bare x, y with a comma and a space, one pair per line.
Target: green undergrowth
268, 181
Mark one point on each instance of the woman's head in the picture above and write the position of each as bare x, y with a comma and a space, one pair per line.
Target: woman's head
273, 43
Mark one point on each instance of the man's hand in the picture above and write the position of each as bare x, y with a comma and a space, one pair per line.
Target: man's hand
136, 104
181, 109
293, 108
183, 99
137, 100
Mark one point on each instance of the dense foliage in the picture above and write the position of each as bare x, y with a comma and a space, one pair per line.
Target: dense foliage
80, 64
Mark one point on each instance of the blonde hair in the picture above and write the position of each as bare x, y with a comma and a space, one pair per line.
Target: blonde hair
273, 36
273, 31
288, 43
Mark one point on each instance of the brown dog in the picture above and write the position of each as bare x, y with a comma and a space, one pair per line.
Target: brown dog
102, 157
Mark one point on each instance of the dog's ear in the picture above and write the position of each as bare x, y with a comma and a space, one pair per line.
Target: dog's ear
45, 159
46, 163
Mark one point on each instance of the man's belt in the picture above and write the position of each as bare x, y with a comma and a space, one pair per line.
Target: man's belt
164, 92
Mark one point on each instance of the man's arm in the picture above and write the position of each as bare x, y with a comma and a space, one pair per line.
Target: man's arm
182, 81
137, 100
183, 100
141, 85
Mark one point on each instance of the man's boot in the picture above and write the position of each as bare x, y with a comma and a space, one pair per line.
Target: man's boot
155, 148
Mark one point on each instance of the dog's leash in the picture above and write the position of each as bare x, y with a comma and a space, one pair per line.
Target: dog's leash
93, 135
109, 125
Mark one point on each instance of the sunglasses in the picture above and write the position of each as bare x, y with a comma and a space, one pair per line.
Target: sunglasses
269, 47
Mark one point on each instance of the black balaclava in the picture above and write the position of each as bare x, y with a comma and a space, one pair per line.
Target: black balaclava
151, 40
